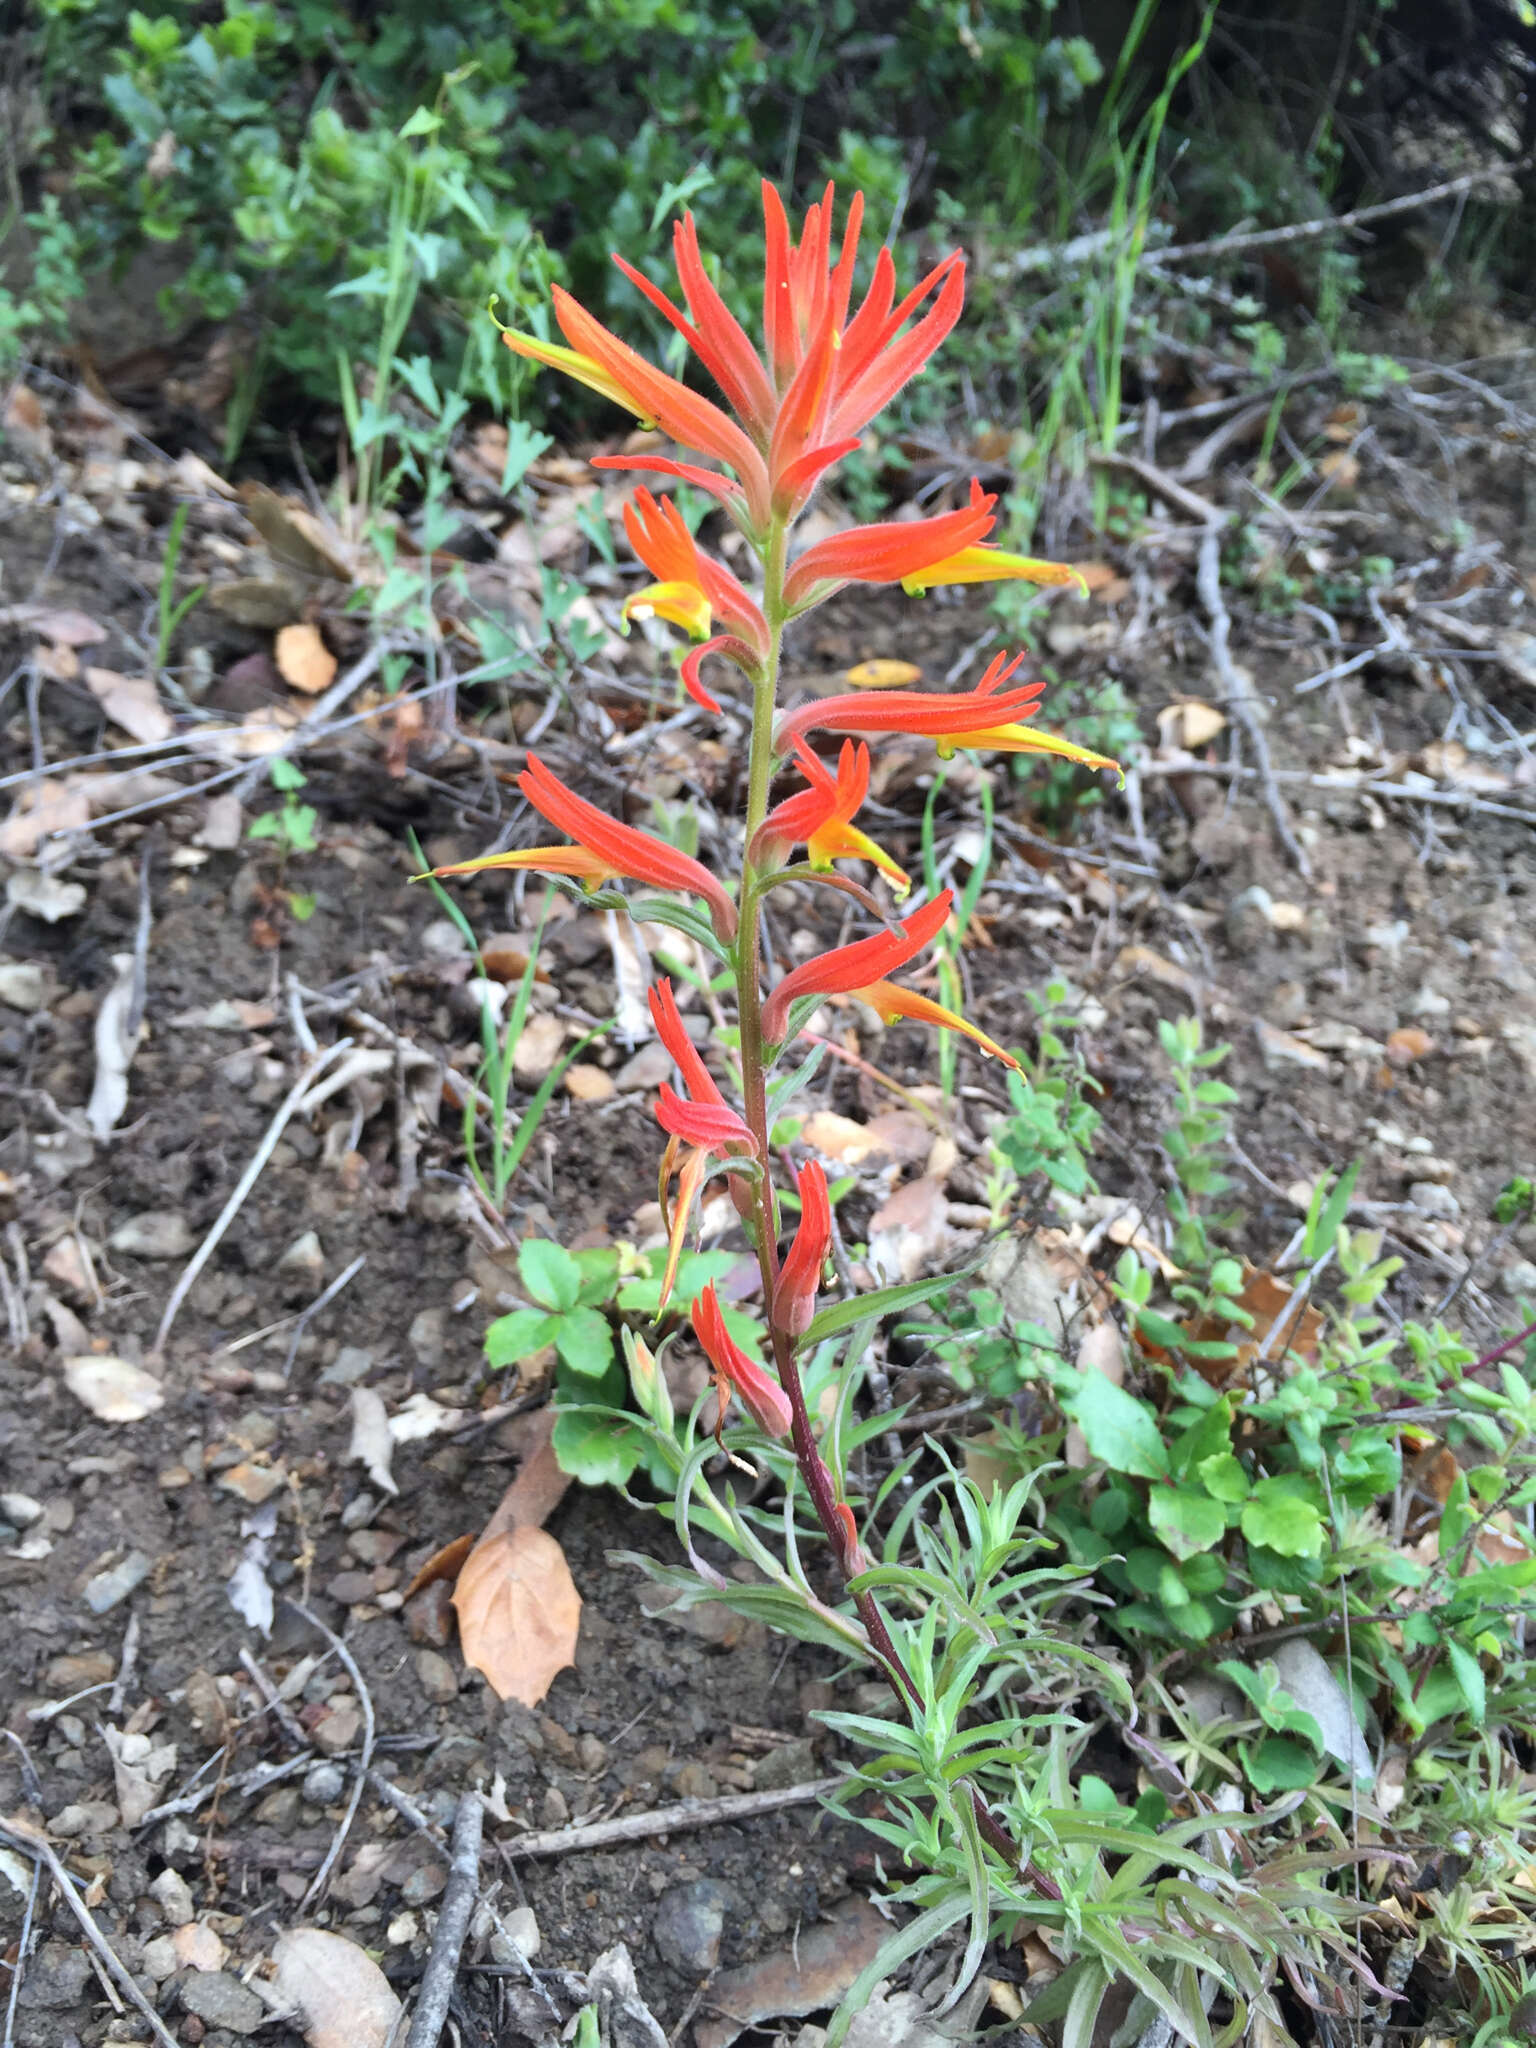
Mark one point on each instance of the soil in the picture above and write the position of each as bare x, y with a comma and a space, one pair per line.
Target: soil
1416, 918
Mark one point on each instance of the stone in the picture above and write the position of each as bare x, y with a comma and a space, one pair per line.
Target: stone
429, 1615
428, 1336
787, 1763
160, 1958
1518, 1280
645, 1070
72, 1674
303, 1264
424, 1883
20, 1509
338, 1731
1431, 1199
107, 1589
1249, 920
694, 1782
554, 1809
350, 1588
324, 1784
690, 1919
56, 1977
439, 1680
280, 1809
220, 2000
253, 1483
591, 1754
84, 1817
350, 1364
517, 1938
172, 1894
153, 1234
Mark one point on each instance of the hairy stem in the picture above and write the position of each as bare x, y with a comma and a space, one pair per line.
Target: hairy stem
818, 1480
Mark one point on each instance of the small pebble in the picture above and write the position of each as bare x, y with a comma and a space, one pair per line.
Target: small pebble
428, 1334
517, 1937
154, 1234
1518, 1280
429, 1615
172, 1894
324, 1783
1430, 1199
108, 1589
439, 1680
220, 2000
338, 1731
690, 1919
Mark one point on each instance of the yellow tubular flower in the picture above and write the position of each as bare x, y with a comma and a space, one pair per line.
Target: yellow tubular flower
991, 565
1022, 739
681, 604
575, 365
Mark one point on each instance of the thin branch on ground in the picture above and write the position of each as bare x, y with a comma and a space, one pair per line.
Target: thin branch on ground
322, 1876
668, 1820
459, 1895
248, 1179
36, 1844
1347, 783
1239, 695
322, 1300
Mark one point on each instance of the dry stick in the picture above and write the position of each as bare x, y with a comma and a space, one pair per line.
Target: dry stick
322, 1300
1311, 230
282, 1713
125, 1667
243, 1186
259, 1778
1348, 784
668, 1820
1240, 696
36, 1843
459, 1895
322, 1876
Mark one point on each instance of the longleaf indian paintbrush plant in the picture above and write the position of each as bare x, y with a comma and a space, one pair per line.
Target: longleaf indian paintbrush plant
791, 412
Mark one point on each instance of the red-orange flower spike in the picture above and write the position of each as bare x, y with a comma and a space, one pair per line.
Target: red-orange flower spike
673, 1033
626, 851
794, 1296
735, 1373
821, 817
860, 965
890, 1002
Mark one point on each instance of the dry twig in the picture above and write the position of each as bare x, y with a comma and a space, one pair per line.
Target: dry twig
231, 1209
322, 1876
38, 1846
668, 1820
459, 1895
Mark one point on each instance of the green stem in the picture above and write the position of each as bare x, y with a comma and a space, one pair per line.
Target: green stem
818, 1480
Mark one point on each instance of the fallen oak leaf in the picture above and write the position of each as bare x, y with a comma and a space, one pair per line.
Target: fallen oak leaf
131, 702
519, 1612
445, 1563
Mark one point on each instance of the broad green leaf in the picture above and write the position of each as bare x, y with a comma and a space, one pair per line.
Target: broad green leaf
1282, 1521
598, 1449
1119, 1430
1279, 1765
517, 1336
1186, 1522
1274, 1706
549, 1273
584, 1341
1224, 1477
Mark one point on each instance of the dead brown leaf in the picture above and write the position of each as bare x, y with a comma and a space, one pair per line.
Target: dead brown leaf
42, 808
1190, 724
303, 659
296, 537
446, 1563
131, 702
519, 1612
343, 1997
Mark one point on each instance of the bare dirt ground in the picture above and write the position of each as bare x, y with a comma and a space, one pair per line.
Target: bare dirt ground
1381, 1006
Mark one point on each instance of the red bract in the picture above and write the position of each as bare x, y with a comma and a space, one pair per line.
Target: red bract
692, 588
857, 966
931, 712
820, 818
637, 855
794, 1297
885, 553
735, 1373
705, 1124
